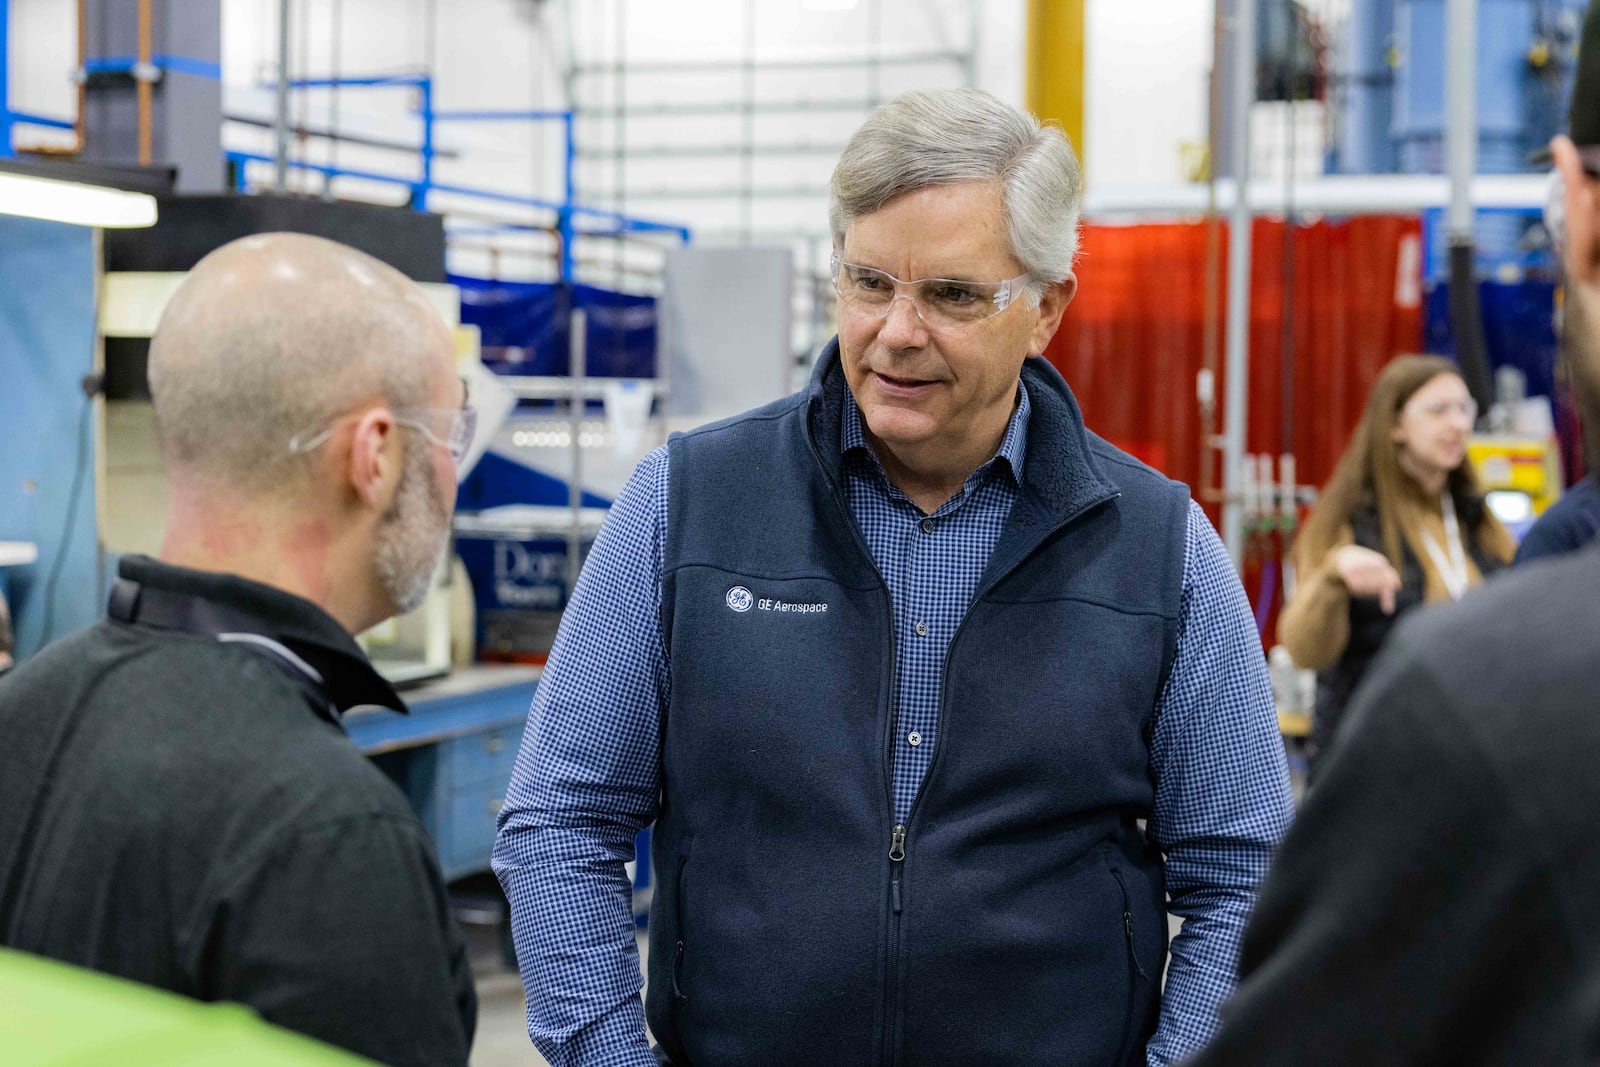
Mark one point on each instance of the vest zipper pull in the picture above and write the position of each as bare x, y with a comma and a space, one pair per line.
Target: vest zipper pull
897, 844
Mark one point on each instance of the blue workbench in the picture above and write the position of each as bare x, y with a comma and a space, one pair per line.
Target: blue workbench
453, 755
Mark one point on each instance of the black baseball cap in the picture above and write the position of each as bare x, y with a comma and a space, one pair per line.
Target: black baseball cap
1583, 112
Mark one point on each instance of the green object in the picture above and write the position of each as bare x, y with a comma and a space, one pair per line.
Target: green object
56, 1015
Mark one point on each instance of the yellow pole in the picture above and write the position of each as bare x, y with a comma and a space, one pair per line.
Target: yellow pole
1055, 65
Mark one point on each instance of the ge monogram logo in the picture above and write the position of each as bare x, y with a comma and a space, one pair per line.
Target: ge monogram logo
739, 598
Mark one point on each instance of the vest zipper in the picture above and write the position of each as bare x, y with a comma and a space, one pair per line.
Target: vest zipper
897, 836
891, 971
897, 839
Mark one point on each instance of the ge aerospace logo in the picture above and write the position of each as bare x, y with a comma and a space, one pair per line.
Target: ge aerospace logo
739, 598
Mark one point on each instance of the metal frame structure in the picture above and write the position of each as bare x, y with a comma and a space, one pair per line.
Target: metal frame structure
10, 118
567, 210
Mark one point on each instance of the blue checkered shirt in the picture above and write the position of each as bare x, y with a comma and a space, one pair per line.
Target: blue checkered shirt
586, 780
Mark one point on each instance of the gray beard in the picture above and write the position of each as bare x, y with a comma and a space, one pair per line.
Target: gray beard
414, 536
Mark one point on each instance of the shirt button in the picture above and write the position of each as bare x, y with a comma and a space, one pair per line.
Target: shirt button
927, 526
922, 629
913, 739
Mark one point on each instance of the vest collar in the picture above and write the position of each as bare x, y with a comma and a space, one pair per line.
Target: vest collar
1060, 477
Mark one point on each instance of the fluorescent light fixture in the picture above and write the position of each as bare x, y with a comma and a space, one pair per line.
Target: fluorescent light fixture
83, 205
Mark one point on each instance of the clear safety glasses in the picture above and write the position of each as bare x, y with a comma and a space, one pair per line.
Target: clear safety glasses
941, 303
459, 426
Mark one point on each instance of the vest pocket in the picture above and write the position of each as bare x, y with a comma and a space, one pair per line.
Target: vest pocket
678, 883
1136, 971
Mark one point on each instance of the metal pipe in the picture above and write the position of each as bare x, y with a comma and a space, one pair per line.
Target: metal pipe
1461, 151
721, 148
570, 151
1461, 112
426, 91
146, 88
280, 178
727, 108
747, 163
974, 37
578, 349
331, 133
1211, 321
78, 124
1337, 194
1237, 366
830, 61
497, 115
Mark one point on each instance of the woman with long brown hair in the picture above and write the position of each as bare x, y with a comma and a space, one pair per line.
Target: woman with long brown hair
1401, 523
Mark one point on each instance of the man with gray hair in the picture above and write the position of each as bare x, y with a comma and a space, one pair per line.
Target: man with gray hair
179, 804
939, 702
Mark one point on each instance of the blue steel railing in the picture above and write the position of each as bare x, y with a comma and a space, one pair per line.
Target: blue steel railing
566, 210
8, 117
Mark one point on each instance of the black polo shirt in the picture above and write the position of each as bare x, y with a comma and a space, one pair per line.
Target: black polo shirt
179, 805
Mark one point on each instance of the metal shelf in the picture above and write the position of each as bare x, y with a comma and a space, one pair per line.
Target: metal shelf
527, 522
536, 387
818, 62
734, 107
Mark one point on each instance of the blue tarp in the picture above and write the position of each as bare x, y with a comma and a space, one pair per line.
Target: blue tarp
524, 327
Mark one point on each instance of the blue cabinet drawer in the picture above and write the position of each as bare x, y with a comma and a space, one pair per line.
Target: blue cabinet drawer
483, 757
469, 840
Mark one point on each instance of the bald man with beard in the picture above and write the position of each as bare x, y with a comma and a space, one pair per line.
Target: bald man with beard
179, 804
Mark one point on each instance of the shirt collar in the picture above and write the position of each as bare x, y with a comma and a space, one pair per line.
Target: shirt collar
158, 594
1013, 445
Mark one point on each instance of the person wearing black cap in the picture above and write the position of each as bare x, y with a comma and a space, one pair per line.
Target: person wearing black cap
179, 804
1433, 902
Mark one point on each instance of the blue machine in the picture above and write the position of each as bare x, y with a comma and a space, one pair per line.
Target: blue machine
1391, 78
1390, 117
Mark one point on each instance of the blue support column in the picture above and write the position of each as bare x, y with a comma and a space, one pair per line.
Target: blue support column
569, 194
6, 150
564, 233
425, 86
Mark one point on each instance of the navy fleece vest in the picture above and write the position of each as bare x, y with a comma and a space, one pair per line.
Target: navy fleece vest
1025, 923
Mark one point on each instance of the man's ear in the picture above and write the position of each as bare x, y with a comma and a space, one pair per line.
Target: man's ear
1051, 307
374, 466
1581, 206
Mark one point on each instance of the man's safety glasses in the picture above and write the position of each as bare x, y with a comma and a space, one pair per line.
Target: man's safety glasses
938, 302
461, 424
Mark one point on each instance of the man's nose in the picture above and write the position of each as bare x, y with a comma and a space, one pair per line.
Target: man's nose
903, 326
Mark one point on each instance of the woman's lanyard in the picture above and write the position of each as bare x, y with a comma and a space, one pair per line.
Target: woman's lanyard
1452, 567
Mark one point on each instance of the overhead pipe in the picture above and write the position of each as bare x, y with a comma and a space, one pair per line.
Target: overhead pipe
280, 178
1211, 329
144, 79
1461, 148
1237, 367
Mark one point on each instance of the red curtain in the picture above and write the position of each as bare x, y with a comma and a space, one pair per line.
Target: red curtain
1131, 345
1131, 341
